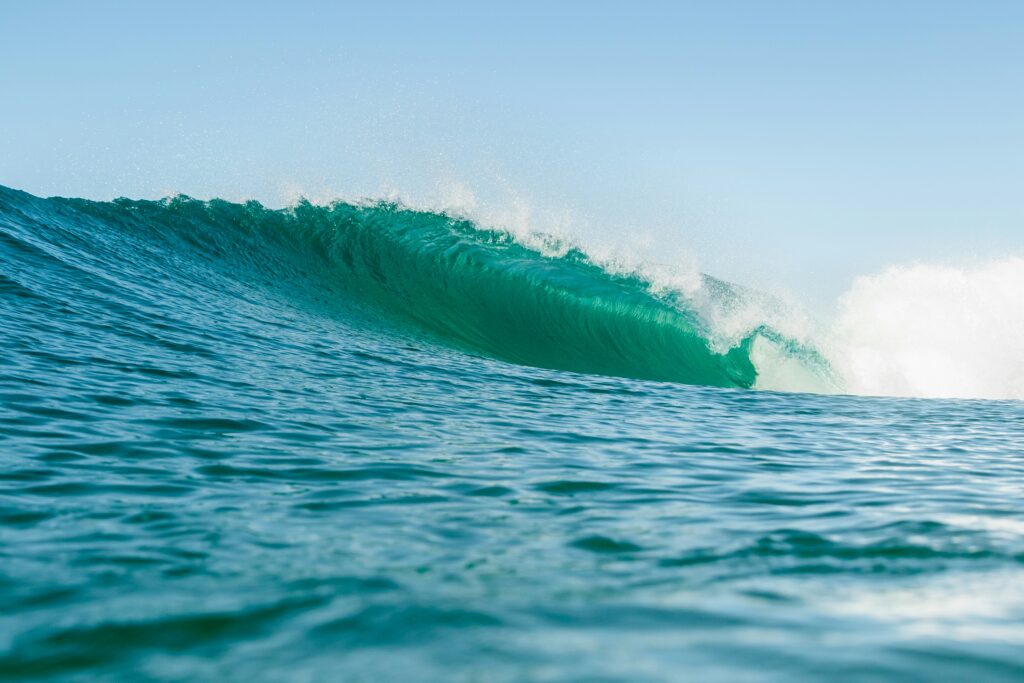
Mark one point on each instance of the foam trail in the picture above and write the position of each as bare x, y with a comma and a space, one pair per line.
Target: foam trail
934, 331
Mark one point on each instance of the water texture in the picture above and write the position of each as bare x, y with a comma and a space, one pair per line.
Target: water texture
367, 443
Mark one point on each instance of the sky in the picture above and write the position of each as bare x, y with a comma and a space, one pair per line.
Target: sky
784, 145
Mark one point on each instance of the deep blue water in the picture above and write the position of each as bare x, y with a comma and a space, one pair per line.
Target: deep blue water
220, 459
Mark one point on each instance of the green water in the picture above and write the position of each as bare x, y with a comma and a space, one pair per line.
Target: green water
366, 443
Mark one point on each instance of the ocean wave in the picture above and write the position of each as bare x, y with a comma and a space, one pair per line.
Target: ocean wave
533, 299
479, 290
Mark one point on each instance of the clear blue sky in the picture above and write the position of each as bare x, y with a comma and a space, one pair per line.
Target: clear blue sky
788, 144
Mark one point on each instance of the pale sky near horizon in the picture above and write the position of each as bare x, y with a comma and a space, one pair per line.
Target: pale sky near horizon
791, 145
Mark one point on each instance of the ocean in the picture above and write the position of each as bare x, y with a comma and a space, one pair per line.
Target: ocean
363, 442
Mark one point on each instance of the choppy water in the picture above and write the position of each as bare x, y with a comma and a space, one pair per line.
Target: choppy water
370, 444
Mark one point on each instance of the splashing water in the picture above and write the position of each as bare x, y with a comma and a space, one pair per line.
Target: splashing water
934, 331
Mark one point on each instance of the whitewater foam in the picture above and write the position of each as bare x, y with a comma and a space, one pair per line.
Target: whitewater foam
934, 331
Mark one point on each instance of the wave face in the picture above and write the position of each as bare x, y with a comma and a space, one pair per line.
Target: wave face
473, 289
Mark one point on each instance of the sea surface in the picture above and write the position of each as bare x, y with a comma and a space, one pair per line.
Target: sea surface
366, 443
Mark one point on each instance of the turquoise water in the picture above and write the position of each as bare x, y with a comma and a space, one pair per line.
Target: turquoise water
368, 443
